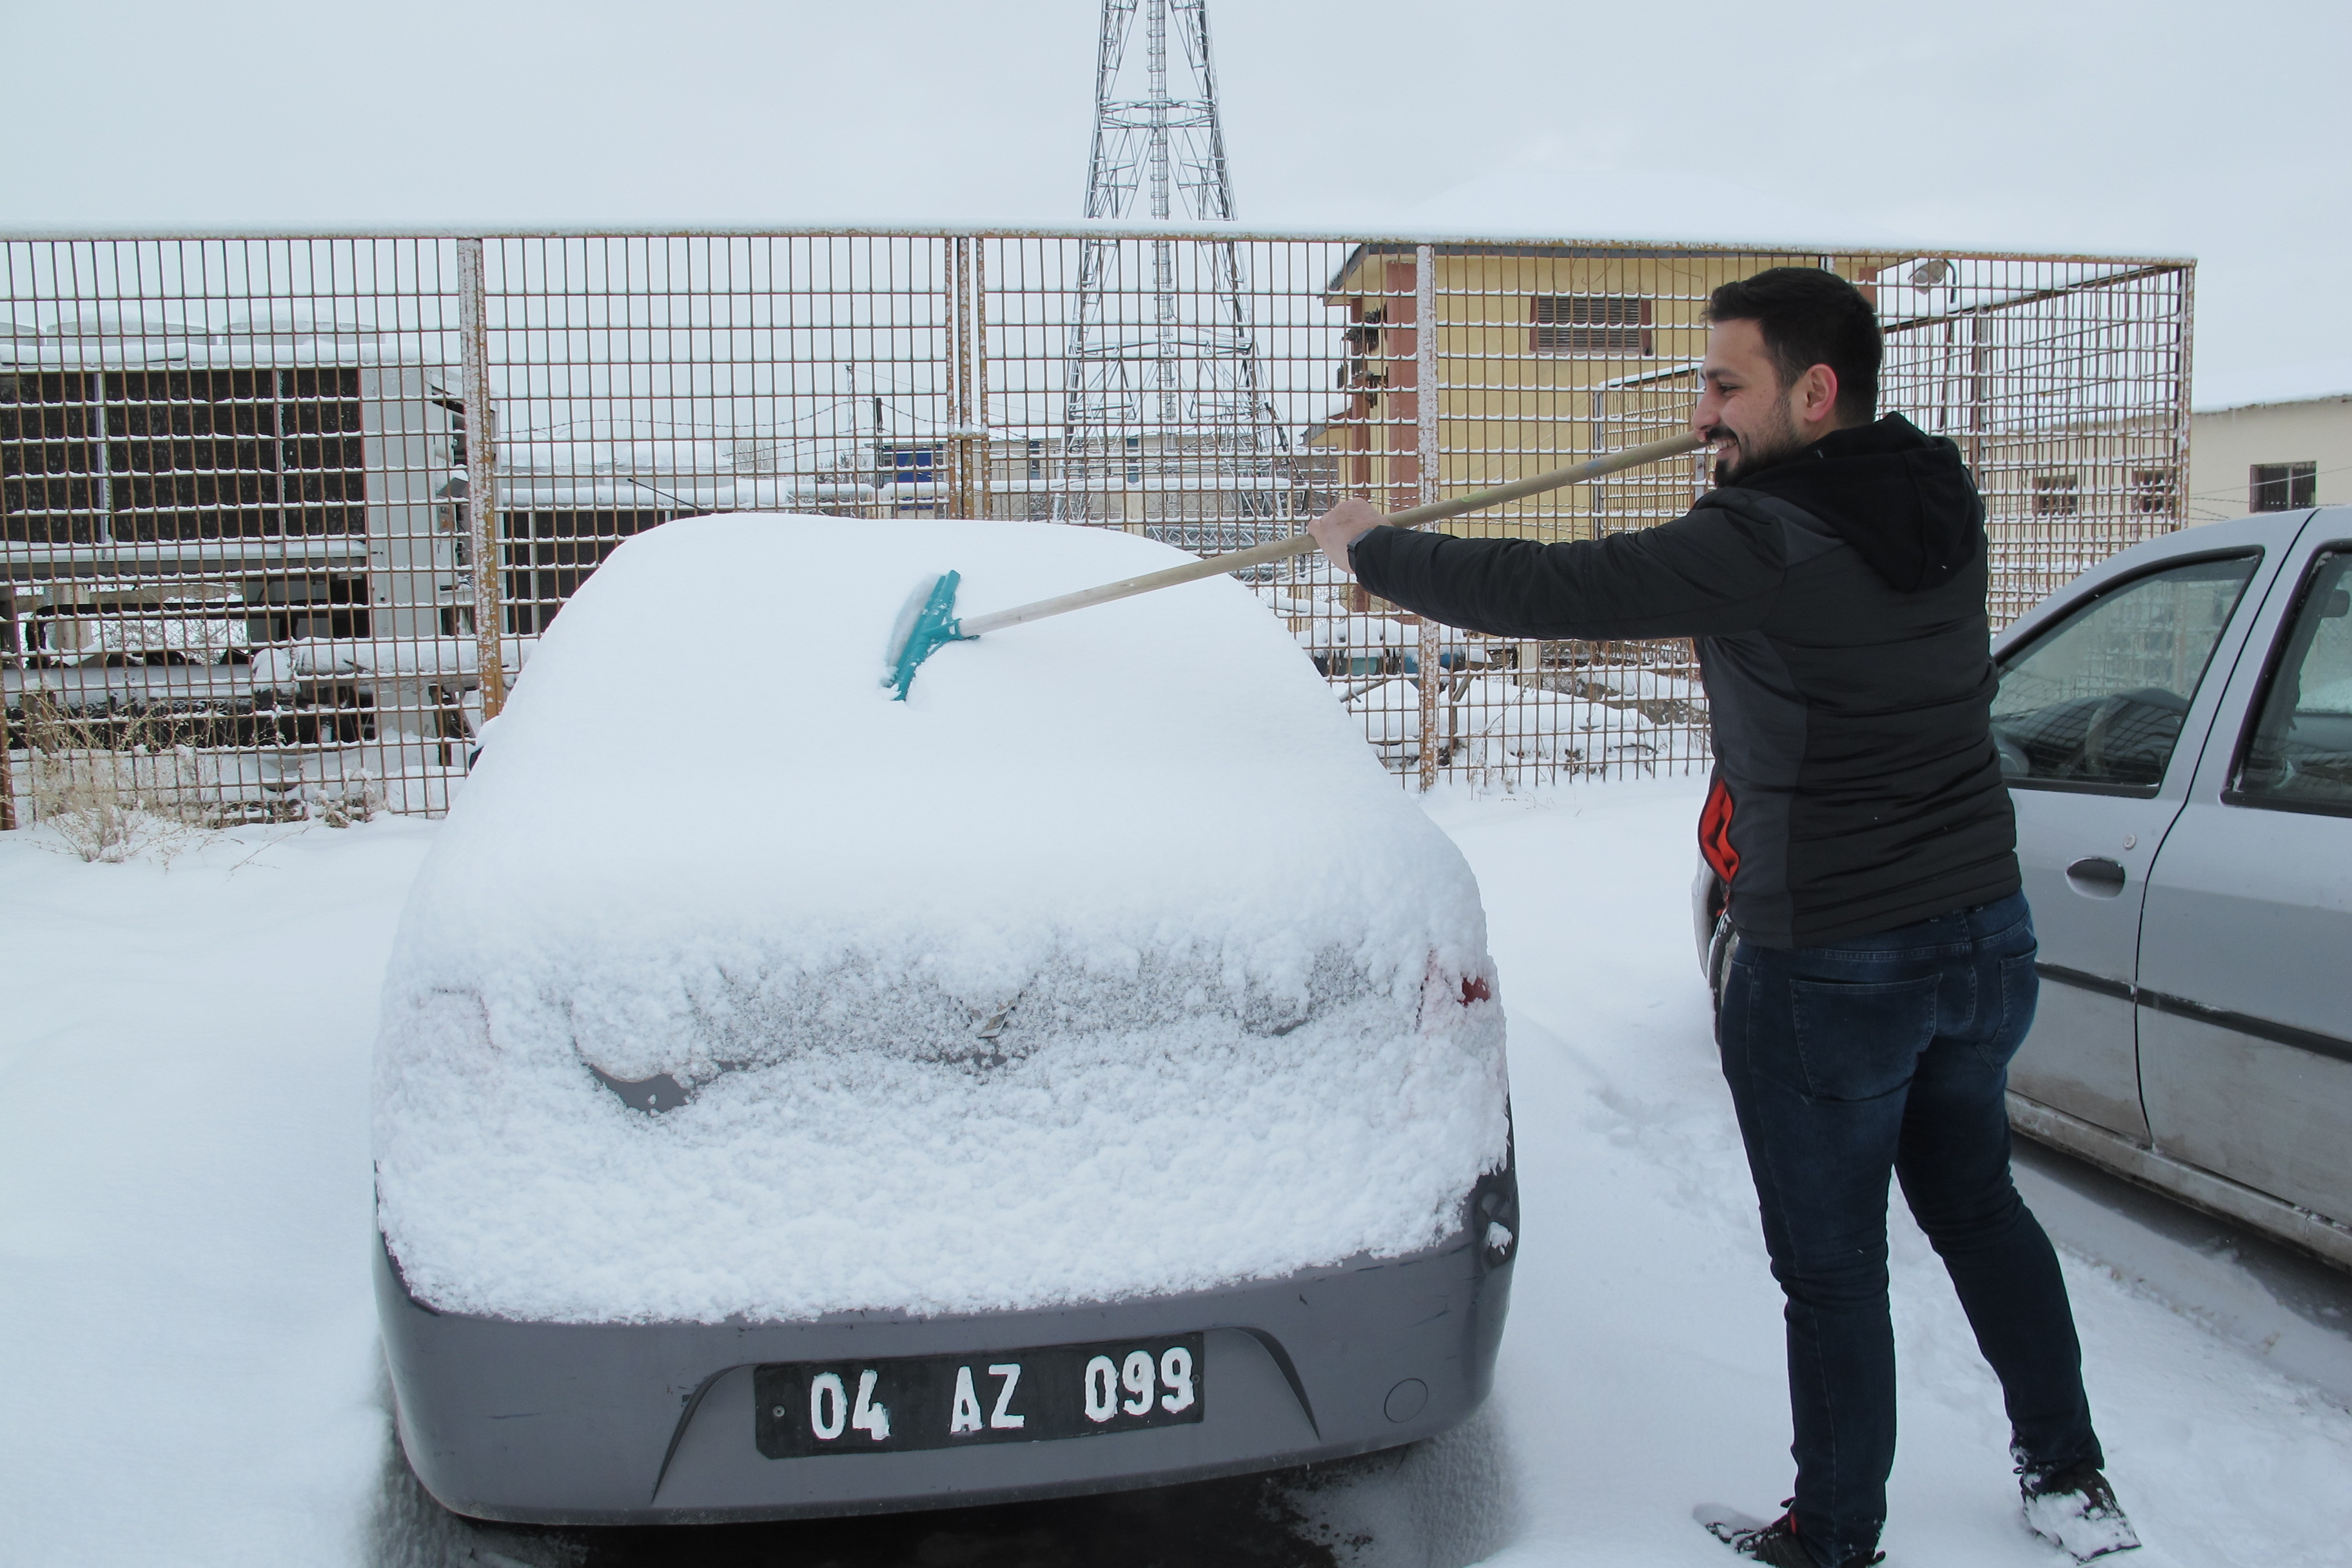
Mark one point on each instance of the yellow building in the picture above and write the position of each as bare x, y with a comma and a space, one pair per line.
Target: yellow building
2061, 378
1545, 355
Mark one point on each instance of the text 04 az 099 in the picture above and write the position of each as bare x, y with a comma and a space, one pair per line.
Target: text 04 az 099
997, 1396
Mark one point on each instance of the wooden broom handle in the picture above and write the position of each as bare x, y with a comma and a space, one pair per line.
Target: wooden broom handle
1300, 544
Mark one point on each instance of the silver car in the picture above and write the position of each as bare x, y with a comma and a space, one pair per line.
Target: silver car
846, 1105
2176, 726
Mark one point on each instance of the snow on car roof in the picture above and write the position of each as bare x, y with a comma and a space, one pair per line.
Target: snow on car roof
1110, 964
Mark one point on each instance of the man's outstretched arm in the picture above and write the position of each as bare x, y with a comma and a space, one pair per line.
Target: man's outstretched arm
1712, 573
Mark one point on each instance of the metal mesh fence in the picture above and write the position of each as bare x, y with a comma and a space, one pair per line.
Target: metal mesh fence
244, 578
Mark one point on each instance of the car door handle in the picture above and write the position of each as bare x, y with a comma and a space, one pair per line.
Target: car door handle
2097, 876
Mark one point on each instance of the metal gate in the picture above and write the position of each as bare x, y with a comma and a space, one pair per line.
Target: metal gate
247, 574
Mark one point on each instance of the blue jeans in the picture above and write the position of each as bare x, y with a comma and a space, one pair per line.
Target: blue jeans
1890, 1053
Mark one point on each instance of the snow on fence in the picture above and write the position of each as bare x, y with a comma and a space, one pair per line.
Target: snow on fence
244, 577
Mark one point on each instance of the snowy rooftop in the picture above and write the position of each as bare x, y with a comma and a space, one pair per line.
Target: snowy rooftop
133, 334
2300, 382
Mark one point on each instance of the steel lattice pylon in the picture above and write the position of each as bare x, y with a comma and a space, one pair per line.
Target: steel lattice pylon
1166, 416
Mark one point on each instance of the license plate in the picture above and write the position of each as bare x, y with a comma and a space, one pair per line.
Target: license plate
999, 1397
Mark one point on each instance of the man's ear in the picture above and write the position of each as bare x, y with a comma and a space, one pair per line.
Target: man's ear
1816, 396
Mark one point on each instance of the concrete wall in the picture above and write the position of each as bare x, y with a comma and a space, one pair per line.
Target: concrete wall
2225, 444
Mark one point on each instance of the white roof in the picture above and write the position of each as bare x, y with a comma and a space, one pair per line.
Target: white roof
2307, 380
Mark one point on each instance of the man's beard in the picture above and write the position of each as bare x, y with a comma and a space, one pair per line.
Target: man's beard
1762, 449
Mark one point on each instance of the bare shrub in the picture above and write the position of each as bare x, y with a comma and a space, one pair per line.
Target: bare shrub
88, 785
352, 800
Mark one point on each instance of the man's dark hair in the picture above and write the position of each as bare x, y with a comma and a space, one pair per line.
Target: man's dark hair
1810, 317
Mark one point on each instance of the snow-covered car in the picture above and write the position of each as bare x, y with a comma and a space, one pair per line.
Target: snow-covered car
1086, 1073
2176, 729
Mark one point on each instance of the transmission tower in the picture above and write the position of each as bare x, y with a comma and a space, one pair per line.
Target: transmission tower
1166, 420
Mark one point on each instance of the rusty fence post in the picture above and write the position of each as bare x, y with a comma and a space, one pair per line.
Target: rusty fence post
967, 450
949, 481
2176, 456
1424, 355
481, 475
976, 408
7, 773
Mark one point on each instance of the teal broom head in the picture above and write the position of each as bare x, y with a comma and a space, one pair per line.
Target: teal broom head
926, 625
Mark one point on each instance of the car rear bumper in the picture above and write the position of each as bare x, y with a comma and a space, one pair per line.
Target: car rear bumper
652, 1423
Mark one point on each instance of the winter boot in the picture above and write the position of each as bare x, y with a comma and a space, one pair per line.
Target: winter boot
1775, 1544
2073, 1506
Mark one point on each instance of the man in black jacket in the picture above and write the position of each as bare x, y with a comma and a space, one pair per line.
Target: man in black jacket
1834, 580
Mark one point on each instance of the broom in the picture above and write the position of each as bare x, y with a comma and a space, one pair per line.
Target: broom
928, 621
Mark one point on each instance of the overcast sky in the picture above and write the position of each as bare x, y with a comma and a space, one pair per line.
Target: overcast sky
2214, 130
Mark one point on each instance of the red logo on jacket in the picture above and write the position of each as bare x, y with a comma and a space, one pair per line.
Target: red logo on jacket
1715, 833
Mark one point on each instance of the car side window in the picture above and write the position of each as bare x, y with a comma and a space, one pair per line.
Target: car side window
2097, 701
2298, 755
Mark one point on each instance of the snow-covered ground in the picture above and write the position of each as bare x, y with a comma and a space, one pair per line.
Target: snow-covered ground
187, 1363
1642, 1373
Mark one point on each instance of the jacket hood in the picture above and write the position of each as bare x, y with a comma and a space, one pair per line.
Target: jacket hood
1900, 496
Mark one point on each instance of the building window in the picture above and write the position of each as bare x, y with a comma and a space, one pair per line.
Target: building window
2056, 495
1037, 459
1591, 324
911, 465
1135, 459
149, 457
1363, 341
2153, 490
2282, 486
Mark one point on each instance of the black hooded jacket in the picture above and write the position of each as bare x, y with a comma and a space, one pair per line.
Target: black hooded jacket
1838, 601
